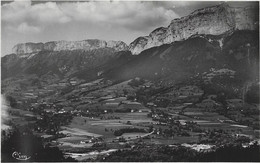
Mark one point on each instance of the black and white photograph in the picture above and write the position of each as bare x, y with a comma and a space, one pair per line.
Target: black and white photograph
130, 81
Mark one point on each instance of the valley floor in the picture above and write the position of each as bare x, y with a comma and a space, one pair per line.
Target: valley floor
95, 119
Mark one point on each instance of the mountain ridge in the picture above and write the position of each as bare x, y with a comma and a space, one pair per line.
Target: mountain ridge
214, 20
88, 45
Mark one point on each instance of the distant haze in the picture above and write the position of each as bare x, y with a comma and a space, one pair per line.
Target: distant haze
26, 21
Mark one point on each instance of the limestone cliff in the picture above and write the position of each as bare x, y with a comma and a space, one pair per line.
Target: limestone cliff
25, 48
213, 20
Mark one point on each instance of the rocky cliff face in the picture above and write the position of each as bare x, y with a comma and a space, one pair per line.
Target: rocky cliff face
212, 20
87, 45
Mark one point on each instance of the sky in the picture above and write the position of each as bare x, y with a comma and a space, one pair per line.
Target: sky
42, 21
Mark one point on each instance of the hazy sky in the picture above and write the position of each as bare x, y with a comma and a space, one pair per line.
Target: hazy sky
26, 21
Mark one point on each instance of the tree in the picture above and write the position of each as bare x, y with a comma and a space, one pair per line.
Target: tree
12, 101
252, 96
125, 92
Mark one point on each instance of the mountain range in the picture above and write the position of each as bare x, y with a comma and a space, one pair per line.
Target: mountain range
213, 37
213, 20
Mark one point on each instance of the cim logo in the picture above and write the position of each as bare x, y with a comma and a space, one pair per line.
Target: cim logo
19, 156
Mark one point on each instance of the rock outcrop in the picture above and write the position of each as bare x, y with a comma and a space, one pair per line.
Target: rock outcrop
213, 20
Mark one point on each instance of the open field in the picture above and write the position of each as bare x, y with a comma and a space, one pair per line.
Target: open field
78, 132
119, 87
65, 145
73, 139
90, 83
242, 126
110, 123
99, 127
134, 135
210, 121
211, 116
114, 88
193, 113
106, 127
134, 118
229, 127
